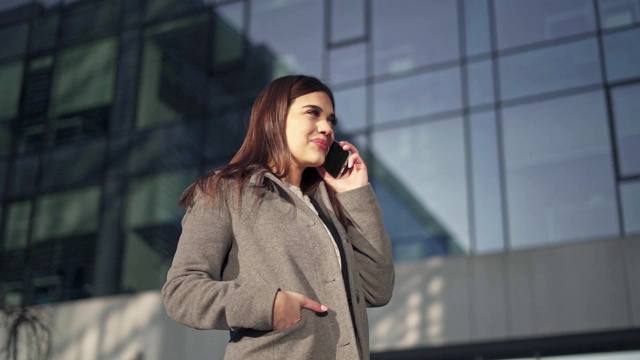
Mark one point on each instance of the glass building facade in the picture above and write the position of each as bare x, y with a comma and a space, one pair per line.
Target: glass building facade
488, 126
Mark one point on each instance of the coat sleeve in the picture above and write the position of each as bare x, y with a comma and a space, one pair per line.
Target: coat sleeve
195, 294
371, 244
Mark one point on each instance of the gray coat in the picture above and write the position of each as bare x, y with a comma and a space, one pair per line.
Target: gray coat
233, 257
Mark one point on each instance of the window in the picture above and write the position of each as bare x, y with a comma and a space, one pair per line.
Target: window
84, 77
351, 109
69, 213
10, 88
292, 31
622, 54
409, 34
630, 195
477, 36
480, 80
626, 108
614, 13
14, 40
347, 19
550, 69
521, 22
423, 94
423, 169
347, 63
560, 185
485, 175
17, 227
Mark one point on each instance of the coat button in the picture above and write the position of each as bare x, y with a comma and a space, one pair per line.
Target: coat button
358, 296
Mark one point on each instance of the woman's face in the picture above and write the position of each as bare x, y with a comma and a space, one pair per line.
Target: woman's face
309, 130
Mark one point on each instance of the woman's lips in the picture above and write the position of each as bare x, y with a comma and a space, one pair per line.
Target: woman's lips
322, 144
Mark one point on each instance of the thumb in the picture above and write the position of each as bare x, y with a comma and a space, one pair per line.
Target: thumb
309, 304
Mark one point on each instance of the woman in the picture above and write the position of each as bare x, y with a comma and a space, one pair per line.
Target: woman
275, 249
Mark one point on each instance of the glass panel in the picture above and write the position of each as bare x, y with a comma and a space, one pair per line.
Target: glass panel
521, 22
23, 181
157, 149
477, 35
10, 88
630, 196
560, 185
63, 167
622, 355
614, 13
418, 95
292, 31
347, 19
412, 33
5, 140
225, 133
622, 54
17, 225
351, 109
174, 82
14, 40
67, 213
6, 5
485, 168
347, 63
626, 107
152, 225
84, 77
480, 82
86, 20
550, 69
158, 8
432, 189
44, 31
229, 37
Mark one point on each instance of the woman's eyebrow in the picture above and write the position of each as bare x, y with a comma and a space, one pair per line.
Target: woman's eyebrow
318, 108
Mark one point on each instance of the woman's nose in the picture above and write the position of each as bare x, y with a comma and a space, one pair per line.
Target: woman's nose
325, 128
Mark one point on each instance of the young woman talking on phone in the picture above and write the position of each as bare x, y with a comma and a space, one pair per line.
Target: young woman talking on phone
274, 248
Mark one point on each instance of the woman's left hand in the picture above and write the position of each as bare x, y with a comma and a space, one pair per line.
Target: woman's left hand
354, 176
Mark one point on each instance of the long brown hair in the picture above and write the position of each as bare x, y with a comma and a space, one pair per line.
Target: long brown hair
265, 146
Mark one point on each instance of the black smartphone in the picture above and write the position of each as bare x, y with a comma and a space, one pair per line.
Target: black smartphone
336, 160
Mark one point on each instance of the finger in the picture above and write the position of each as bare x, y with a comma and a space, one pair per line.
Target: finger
309, 304
353, 158
349, 147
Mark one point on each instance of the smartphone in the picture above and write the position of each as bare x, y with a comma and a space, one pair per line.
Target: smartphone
336, 160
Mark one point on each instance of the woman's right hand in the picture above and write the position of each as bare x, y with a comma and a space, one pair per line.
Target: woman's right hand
287, 307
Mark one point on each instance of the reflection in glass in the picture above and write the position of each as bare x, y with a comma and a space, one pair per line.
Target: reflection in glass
477, 35
347, 19
23, 177
84, 77
13, 39
412, 33
550, 69
485, 174
521, 22
423, 94
62, 167
44, 31
559, 172
17, 227
423, 167
614, 13
10, 88
85, 20
290, 29
80, 215
152, 228
630, 196
351, 109
156, 149
229, 35
480, 75
622, 54
173, 80
626, 107
347, 63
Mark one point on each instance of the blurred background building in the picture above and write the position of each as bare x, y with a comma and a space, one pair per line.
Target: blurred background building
502, 137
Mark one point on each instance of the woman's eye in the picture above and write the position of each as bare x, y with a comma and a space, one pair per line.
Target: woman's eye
314, 112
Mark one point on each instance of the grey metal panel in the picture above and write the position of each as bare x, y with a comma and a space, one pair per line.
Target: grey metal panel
520, 293
632, 252
488, 297
430, 306
579, 287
